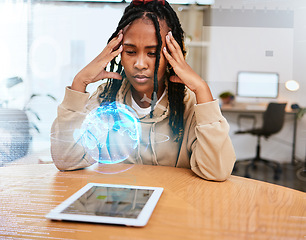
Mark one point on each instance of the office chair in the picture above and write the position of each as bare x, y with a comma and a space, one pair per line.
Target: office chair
15, 135
273, 120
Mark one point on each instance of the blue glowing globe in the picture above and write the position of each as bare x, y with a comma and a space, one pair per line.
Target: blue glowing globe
109, 133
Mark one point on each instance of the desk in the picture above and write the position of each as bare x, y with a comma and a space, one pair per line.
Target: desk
189, 208
240, 108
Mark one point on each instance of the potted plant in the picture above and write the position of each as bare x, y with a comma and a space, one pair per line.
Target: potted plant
227, 97
301, 112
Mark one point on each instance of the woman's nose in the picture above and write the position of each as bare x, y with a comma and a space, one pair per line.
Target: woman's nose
140, 62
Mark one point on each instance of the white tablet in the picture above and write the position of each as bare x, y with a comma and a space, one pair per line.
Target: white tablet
108, 203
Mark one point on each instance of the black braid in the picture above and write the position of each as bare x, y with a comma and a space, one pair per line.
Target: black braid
176, 91
158, 50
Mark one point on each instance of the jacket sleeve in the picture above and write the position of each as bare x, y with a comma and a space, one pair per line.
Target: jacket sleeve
212, 152
66, 153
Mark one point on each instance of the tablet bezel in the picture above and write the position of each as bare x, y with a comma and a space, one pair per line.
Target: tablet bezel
140, 221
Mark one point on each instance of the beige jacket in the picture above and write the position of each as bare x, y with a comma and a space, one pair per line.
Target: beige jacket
206, 147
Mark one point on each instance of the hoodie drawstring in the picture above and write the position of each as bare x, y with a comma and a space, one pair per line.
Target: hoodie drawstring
152, 143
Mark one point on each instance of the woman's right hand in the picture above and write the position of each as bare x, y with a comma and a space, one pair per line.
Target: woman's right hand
95, 70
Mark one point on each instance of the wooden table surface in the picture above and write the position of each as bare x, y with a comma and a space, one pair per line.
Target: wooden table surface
189, 208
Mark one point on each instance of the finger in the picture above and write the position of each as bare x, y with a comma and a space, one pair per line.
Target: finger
112, 55
113, 75
178, 68
113, 45
103, 61
175, 45
173, 41
114, 48
169, 57
176, 79
104, 75
172, 48
117, 38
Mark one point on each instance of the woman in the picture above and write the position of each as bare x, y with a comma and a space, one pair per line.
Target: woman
181, 124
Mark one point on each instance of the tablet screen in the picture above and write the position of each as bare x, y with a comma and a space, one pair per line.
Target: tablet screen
110, 202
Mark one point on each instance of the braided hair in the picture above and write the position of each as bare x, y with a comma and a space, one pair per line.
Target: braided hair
155, 11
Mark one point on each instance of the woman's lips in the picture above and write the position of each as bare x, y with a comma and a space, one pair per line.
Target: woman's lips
141, 78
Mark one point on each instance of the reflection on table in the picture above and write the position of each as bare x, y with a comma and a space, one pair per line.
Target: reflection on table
189, 208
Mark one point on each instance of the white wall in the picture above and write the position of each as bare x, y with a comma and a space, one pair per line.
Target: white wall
242, 46
71, 35
234, 49
299, 73
65, 37
13, 46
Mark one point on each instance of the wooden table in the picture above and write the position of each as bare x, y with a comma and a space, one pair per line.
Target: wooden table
189, 208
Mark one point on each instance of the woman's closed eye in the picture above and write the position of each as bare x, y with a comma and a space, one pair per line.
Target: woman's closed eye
130, 52
152, 54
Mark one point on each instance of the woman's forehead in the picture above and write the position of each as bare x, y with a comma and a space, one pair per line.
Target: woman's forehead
145, 24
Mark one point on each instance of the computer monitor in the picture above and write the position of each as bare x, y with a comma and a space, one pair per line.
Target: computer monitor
257, 84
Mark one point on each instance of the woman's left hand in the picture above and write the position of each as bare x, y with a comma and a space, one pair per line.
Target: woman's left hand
184, 73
